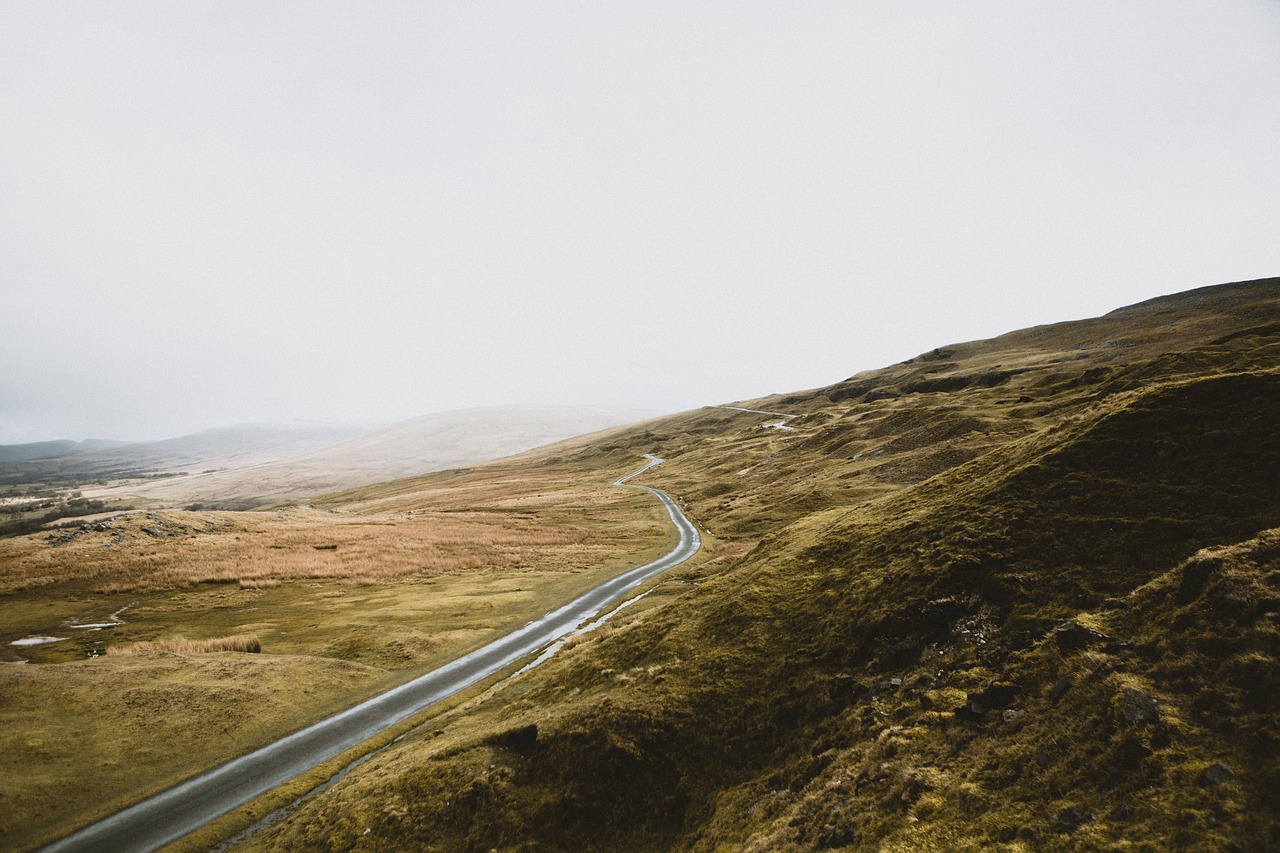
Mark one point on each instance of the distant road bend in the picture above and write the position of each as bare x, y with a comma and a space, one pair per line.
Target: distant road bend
782, 424
186, 807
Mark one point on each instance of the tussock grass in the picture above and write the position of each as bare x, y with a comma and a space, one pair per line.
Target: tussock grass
424, 576
924, 531
973, 622
260, 583
581, 527
180, 645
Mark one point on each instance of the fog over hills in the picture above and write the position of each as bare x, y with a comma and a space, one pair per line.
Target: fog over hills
53, 449
245, 444
300, 465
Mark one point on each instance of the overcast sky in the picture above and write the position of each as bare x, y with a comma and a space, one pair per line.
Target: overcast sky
223, 212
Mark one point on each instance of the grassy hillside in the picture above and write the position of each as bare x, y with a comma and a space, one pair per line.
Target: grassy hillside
1015, 593
149, 682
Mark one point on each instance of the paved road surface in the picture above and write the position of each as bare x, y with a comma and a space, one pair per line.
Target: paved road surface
186, 807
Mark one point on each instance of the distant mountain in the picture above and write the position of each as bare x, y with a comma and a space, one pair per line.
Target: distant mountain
429, 443
245, 444
248, 444
54, 449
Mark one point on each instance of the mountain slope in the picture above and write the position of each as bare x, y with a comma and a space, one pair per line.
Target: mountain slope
11, 453
979, 615
245, 444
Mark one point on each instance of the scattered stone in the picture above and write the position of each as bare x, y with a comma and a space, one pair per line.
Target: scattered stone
1010, 714
1072, 637
1071, 820
1217, 774
833, 836
994, 698
1138, 708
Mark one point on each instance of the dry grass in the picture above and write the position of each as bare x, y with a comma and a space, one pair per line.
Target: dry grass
401, 578
180, 645
262, 550
260, 583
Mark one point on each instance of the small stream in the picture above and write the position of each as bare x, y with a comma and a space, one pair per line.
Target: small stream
113, 621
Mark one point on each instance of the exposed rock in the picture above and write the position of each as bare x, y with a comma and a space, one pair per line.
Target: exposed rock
1217, 774
1041, 755
1137, 707
1072, 637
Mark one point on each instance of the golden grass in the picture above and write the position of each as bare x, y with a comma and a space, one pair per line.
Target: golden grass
410, 576
262, 550
180, 645
260, 583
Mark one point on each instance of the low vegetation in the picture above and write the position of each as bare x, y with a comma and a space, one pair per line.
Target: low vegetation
1065, 639
155, 611
180, 645
1012, 594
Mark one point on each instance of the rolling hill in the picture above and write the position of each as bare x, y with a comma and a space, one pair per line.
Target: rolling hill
429, 443
246, 444
1017, 594
1013, 594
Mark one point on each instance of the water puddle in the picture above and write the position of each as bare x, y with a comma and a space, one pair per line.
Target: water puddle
114, 620
37, 641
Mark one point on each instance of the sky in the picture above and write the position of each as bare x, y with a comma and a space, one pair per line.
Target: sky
224, 212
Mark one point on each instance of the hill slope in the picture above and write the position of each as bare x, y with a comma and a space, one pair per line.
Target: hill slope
1015, 593
246, 444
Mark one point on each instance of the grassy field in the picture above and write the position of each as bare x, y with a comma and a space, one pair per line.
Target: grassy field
341, 603
1011, 594
1017, 594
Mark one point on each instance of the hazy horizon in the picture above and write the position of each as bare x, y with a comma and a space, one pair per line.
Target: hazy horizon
239, 212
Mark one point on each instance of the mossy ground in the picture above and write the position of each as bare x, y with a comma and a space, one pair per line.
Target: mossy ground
978, 617
410, 584
963, 604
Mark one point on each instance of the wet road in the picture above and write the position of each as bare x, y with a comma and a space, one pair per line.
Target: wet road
182, 809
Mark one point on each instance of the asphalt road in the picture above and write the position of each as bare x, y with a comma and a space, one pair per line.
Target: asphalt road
186, 807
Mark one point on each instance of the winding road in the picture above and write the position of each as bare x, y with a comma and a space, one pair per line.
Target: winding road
182, 809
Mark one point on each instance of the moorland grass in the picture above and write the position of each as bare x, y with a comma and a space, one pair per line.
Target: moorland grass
1012, 647
180, 645
405, 590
